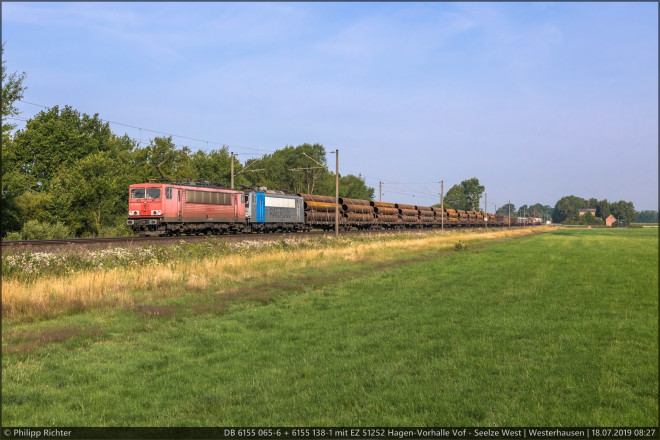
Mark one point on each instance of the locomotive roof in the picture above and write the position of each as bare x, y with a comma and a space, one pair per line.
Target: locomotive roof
201, 184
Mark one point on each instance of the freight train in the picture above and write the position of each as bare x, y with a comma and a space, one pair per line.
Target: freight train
158, 208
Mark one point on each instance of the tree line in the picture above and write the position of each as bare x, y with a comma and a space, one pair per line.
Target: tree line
468, 194
567, 210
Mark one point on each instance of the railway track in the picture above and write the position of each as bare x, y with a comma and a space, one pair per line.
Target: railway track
44, 245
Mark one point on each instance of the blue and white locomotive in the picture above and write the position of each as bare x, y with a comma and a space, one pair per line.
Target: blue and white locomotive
274, 211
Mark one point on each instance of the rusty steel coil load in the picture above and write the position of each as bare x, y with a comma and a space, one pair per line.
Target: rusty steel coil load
471, 214
362, 209
402, 206
480, 214
453, 219
408, 212
386, 210
360, 202
409, 218
452, 212
426, 214
382, 204
384, 218
424, 208
357, 217
322, 217
319, 206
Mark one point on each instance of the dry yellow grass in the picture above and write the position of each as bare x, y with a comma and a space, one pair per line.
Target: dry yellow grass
127, 287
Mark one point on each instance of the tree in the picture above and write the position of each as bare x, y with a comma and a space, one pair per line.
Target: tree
523, 211
504, 209
300, 169
48, 152
12, 91
55, 139
567, 209
91, 192
589, 219
603, 209
624, 210
540, 211
456, 198
647, 216
354, 187
215, 166
473, 192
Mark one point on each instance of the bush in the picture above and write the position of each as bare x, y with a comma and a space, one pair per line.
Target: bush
116, 231
36, 230
15, 236
460, 246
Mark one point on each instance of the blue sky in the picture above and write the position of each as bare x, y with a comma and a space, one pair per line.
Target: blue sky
537, 100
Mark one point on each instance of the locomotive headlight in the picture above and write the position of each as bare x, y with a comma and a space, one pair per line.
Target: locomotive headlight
158, 212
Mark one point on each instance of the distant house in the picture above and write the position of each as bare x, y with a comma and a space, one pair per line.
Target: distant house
584, 211
610, 220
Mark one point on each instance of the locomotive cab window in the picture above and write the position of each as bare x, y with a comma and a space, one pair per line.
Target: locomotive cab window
137, 193
153, 193
145, 193
168, 193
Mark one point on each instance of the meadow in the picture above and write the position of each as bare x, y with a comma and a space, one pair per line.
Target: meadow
544, 327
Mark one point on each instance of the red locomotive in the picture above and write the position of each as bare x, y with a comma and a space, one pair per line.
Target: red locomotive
167, 209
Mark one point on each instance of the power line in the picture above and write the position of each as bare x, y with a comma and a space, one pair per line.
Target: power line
397, 185
258, 150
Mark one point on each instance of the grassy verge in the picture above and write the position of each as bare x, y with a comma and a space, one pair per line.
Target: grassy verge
549, 329
44, 285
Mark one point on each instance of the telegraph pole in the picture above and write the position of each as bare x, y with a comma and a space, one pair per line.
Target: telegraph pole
380, 191
486, 209
509, 213
442, 206
232, 170
337, 193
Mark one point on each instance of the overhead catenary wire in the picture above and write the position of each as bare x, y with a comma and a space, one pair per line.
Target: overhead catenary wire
402, 188
207, 142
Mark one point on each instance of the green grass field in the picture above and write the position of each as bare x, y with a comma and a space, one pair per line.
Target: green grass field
552, 329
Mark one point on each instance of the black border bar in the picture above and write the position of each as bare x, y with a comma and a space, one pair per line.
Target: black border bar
329, 433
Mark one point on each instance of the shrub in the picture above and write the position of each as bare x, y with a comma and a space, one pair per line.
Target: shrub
13, 236
36, 230
116, 231
460, 246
